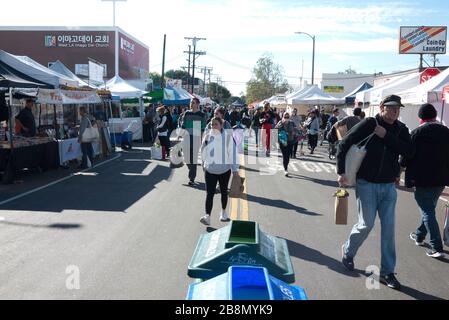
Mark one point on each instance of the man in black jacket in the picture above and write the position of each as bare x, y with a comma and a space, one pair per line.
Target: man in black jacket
428, 171
375, 188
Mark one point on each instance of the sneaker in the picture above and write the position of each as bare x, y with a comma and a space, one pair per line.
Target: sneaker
414, 237
391, 281
205, 219
191, 183
348, 262
224, 217
286, 173
435, 254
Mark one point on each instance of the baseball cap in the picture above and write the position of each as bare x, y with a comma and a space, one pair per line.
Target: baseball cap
392, 100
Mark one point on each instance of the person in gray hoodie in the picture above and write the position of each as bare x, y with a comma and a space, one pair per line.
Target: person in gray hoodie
220, 158
86, 147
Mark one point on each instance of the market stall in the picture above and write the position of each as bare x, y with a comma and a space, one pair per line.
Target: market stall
17, 152
124, 119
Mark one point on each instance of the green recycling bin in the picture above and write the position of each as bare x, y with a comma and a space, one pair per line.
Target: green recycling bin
240, 243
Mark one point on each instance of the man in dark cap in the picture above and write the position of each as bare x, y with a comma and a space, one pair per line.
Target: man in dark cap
428, 171
387, 138
26, 120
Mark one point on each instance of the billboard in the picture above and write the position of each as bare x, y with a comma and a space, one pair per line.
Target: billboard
134, 58
71, 47
423, 40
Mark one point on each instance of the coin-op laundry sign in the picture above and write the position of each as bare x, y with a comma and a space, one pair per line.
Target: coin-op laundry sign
423, 40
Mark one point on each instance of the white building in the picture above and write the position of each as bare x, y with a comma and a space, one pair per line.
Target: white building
341, 84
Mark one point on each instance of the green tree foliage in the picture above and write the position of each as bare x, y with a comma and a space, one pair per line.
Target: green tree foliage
218, 93
178, 74
157, 79
267, 80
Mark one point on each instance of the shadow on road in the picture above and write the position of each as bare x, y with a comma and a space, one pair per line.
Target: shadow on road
329, 183
280, 204
418, 295
66, 226
111, 188
305, 253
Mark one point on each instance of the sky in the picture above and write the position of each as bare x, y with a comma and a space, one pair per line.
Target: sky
363, 35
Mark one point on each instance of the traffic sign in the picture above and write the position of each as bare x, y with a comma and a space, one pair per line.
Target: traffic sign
428, 74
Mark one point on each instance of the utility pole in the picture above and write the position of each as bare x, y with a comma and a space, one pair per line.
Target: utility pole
188, 66
204, 71
163, 64
194, 42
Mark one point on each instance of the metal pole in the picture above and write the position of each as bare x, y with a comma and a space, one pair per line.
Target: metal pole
193, 66
113, 14
163, 63
188, 68
313, 60
10, 120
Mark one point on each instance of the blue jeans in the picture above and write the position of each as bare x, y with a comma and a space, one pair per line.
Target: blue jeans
88, 151
373, 198
427, 199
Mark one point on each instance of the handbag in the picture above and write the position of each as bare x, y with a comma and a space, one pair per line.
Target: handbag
176, 157
90, 134
156, 152
354, 159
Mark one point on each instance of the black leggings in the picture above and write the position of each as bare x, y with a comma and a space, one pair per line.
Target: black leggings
211, 185
313, 140
286, 153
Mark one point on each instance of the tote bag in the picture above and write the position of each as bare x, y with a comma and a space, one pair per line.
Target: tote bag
90, 134
354, 159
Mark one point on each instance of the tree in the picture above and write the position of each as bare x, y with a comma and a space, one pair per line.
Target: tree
178, 74
157, 79
267, 80
218, 93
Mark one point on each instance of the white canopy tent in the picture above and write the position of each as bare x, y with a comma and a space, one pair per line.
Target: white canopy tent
365, 95
393, 87
119, 87
427, 92
59, 67
314, 96
35, 70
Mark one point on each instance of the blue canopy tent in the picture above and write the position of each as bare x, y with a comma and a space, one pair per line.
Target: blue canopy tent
176, 96
350, 98
237, 104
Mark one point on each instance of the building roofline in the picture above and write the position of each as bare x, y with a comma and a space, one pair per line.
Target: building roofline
71, 28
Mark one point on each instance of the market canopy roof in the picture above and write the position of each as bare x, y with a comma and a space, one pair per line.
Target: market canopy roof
350, 97
314, 96
427, 92
119, 87
59, 67
11, 78
176, 96
394, 87
36, 71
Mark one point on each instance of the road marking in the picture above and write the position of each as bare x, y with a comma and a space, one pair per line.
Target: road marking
57, 181
234, 208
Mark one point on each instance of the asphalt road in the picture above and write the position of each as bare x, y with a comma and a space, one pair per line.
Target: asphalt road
128, 228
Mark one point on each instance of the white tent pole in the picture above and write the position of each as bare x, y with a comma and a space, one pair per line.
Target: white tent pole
112, 118
10, 120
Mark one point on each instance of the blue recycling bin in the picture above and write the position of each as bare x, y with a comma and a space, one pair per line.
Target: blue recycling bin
124, 137
245, 283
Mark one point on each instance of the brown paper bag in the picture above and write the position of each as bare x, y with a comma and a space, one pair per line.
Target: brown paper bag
341, 131
341, 209
236, 187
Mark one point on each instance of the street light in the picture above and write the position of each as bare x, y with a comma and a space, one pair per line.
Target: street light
313, 53
113, 14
